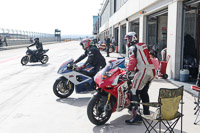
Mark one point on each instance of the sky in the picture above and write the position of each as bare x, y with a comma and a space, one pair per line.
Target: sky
70, 16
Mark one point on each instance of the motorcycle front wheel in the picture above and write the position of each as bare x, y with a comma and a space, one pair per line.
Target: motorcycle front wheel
96, 112
24, 60
63, 88
44, 59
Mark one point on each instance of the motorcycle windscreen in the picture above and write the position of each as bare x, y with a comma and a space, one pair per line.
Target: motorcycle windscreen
65, 65
108, 70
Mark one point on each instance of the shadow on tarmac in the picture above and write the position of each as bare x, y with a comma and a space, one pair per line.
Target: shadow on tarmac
78, 102
42, 65
118, 126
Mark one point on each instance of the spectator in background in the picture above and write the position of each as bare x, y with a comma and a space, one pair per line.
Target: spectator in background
113, 41
107, 41
5, 41
31, 40
0, 40
164, 54
155, 62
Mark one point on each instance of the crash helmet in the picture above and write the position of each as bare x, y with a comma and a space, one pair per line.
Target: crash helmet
36, 39
85, 43
131, 38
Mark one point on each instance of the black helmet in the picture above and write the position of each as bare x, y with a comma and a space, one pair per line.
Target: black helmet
36, 39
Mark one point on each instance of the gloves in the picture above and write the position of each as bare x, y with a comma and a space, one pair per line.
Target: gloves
74, 65
128, 73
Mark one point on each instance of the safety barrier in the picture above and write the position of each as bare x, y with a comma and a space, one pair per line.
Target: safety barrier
17, 37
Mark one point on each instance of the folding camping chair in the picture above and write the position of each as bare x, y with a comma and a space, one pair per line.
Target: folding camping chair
167, 112
197, 102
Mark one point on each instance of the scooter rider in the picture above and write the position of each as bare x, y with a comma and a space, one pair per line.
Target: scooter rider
38, 46
95, 58
139, 58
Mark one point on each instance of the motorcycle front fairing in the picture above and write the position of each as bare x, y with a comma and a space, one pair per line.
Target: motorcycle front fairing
65, 67
44, 51
83, 83
88, 84
109, 73
110, 80
32, 55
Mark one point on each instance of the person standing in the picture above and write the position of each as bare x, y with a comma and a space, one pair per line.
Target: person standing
5, 41
1, 41
139, 58
31, 40
155, 62
107, 41
113, 41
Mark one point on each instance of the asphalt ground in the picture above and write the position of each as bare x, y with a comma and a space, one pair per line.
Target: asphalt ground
28, 104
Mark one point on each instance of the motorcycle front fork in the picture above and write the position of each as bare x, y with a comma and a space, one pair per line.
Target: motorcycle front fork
105, 107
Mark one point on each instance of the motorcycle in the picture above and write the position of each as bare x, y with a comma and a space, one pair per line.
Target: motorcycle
32, 56
102, 47
81, 80
112, 94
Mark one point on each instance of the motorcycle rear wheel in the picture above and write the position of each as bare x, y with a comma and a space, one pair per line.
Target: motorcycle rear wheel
24, 60
95, 110
111, 49
63, 88
44, 59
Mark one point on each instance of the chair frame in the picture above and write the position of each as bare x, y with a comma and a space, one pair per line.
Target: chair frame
169, 127
197, 102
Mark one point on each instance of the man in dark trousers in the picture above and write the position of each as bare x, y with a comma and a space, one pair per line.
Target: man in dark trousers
107, 41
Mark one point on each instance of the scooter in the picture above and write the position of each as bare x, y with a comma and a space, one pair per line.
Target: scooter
112, 94
33, 56
71, 79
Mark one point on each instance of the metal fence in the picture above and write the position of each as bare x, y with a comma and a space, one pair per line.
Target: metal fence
16, 37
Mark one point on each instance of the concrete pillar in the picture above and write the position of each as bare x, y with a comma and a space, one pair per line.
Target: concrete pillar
127, 30
174, 38
127, 27
119, 39
113, 31
142, 28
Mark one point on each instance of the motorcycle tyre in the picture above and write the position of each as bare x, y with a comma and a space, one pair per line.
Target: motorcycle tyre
42, 57
111, 49
165, 76
90, 114
64, 83
24, 62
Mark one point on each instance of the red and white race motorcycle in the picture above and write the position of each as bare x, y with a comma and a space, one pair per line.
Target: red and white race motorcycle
112, 93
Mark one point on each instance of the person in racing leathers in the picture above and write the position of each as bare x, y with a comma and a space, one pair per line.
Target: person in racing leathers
139, 59
38, 46
95, 58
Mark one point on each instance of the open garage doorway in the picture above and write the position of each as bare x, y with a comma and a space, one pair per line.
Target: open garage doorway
134, 26
191, 38
157, 32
